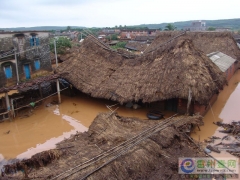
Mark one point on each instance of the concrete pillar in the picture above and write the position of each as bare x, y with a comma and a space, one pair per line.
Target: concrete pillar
58, 91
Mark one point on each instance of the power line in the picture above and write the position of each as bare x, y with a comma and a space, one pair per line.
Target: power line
35, 47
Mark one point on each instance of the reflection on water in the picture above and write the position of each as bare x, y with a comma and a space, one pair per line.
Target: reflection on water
231, 110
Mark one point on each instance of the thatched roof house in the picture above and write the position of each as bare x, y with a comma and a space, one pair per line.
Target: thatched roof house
170, 71
207, 42
136, 46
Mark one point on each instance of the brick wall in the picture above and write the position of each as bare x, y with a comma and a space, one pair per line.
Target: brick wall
203, 109
40, 52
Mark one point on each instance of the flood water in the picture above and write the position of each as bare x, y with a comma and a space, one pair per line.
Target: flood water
226, 108
49, 124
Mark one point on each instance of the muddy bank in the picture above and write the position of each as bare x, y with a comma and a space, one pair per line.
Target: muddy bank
114, 148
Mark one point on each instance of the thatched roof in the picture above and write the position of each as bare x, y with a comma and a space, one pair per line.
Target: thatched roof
207, 42
151, 156
170, 71
31, 84
136, 46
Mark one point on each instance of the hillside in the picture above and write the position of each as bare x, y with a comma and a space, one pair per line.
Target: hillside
234, 24
40, 28
229, 23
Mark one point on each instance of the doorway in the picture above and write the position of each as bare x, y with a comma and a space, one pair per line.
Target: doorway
27, 71
171, 104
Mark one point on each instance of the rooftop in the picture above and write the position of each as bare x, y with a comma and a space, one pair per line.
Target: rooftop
222, 60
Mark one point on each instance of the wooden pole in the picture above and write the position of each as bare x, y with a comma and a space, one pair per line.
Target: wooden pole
13, 112
7, 104
58, 91
40, 90
16, 66
55, 50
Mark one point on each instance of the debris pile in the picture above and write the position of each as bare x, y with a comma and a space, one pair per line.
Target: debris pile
218, 144
115, 147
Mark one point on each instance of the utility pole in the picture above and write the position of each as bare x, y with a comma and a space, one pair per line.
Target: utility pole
16, 66
55, 49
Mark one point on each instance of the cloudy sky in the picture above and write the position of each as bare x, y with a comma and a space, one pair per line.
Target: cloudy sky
108, 13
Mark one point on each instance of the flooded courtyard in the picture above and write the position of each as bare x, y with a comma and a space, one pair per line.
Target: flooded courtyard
50, 123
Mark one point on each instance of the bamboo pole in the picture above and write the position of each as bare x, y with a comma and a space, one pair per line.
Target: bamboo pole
58, 91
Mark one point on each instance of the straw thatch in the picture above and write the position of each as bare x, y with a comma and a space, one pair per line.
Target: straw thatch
155, 157
171, 71
207, 42
31, 84
136, 46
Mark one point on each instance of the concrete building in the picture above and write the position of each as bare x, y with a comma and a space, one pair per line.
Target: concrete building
133, 33
23, 55
197, 26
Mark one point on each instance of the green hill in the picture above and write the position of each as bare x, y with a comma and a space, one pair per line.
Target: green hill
41, 28
234, 24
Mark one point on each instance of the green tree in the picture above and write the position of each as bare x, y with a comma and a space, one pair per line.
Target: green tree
170, 27
112, 37
119, 45
68, 28
61, 44
211, 29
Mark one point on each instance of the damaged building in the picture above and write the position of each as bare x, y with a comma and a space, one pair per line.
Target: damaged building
23, 55
174, 73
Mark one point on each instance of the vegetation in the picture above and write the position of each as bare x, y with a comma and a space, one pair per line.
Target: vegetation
68, 28
211, 29
170, 27
112, 37
227, 23
61, 44
119, 45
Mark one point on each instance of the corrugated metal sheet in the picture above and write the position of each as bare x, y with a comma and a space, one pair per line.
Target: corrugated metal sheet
238, 45
222, 60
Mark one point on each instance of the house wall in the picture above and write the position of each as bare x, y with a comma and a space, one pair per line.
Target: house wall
182, 106
133, 33
203, 109
231, 70
40, 50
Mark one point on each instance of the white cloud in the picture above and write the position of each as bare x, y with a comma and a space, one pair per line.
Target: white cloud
108, 13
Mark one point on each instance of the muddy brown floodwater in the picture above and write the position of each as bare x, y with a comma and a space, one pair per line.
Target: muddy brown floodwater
231, 111
48, 125
225, 109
